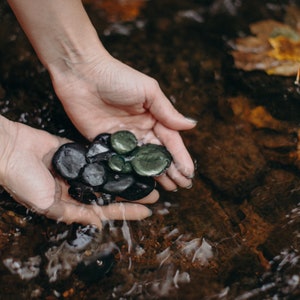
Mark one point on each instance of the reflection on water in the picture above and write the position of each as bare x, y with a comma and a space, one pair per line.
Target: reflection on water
235, 234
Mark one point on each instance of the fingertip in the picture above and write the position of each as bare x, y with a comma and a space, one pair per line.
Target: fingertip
191, 122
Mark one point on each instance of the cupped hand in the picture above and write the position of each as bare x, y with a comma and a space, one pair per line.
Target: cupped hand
105, 95
26, 173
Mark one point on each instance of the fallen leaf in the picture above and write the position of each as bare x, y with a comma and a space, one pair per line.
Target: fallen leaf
274, 48
118, 10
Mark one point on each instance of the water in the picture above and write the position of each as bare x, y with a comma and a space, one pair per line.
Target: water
233, 235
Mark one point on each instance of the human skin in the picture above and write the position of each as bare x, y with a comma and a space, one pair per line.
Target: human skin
98, 92
26, 173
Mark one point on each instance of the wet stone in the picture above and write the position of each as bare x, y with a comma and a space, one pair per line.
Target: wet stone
95, 269
123, 141
141, 188
100, 148
116, 163
82, 192
151, 160
80, 237
118, 184
69, 159
94, 174
103, 138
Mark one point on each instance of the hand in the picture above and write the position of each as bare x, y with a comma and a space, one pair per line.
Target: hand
26, 173
105, 95
98, 92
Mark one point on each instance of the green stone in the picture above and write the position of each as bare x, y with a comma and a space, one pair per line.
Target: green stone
151, 160
116, 163
123, 141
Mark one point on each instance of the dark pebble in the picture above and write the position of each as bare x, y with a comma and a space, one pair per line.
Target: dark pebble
82, 193
99, 149
94, 174
118, 183
69, 159
142, 187
94, 270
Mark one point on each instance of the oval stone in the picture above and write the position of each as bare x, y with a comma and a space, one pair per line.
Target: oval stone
69, 159
151, 160
94, 174
82, 192
142, 187
118, 183
123, 141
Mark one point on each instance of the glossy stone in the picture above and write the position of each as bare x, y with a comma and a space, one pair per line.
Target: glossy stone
141, 188
69, 159
94, 174
100, 148
118, 183
82, 193
94, 269
123, 141
151, 160
116, 163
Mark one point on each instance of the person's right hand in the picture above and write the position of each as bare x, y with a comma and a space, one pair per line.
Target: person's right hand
26, 173
102, 94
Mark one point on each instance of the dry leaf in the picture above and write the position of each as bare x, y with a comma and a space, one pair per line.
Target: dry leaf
285, 48
118, 10
274, 48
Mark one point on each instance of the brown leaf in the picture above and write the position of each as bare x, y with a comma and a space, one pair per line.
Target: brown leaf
118, 10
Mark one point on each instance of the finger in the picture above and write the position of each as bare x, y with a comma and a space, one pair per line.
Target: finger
149, 199
178, 178
173, 141
167, 183
71, 212
122, 211
163, 110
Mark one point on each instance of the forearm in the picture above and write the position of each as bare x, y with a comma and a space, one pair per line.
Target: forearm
59, 30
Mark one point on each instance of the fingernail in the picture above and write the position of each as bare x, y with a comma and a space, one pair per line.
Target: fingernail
191, 120
189, 186
191, 176
175, 190
150, 212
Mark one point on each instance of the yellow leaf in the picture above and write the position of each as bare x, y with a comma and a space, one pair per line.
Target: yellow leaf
285, 49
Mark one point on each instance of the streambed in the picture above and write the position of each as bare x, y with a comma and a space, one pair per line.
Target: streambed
235, 233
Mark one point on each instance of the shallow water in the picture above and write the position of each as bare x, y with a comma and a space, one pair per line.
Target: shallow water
233, 235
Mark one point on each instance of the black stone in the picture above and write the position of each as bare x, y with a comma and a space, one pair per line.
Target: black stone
82, 192
99, 149
142, 187
123, 141
69, 159
94, 174
117, 183
80, 237
95, 269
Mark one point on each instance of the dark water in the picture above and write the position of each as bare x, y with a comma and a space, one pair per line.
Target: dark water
234, 235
